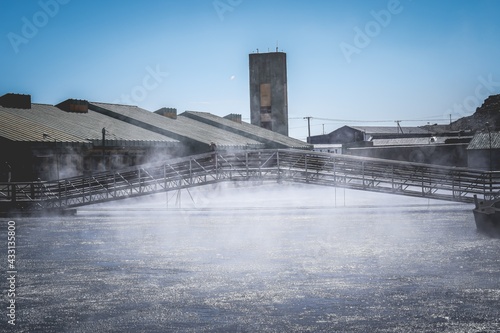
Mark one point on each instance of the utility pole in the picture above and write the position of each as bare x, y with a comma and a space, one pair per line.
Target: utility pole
308, 128
399, 126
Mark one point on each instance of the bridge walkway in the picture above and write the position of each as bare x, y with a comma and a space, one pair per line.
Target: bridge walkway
367, 174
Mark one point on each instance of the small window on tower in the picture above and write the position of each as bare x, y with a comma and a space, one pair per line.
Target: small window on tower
265, 95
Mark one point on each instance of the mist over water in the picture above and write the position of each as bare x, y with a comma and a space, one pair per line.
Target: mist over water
270, 258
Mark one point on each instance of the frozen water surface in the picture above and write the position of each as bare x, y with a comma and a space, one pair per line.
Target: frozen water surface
271, 258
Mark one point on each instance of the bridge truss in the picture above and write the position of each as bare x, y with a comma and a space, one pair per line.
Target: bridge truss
411, 179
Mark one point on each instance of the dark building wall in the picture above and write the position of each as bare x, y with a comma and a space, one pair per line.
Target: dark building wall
446, 155
347, 134
16, 159
31, 161
342, 135
268, 91
480, 159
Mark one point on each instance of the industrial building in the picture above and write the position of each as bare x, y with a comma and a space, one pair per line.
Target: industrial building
268, 91
483, 152
359, 134
75, 137
413, 144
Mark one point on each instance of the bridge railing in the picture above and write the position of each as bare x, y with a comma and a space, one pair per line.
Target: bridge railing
21, 191
446, 183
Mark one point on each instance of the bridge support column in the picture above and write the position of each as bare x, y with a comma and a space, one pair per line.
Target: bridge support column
278, 165
392, 178
165, 179
246, 164
13, 193
363, 173
190, 172
216, 166
59, 193
306, 166
83, 190
140, 181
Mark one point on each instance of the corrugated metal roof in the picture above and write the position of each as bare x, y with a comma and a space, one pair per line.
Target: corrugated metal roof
482, 141
18, 125
182, 127
219, 136
260, 134
369, 130
409, 141
73, 127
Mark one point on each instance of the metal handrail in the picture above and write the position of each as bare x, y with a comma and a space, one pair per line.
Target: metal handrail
370, 174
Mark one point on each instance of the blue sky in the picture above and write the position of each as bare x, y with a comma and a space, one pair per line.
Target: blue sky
349, 62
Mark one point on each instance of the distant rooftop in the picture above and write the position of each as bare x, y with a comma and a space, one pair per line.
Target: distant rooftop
390, 130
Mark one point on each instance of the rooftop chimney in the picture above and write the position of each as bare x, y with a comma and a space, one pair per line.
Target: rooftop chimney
234, 117
16, 101
167, 112
74, 105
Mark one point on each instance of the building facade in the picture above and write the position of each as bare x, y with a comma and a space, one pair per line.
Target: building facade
483, 152
78, 137
268, 91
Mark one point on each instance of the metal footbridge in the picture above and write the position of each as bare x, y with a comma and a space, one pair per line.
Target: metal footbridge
367, 174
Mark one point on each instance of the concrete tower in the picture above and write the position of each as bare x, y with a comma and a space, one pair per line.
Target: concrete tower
268, 91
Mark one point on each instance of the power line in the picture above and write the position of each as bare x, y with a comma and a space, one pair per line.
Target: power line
377, 121
370, 121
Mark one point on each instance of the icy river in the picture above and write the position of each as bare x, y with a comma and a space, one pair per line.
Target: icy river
272, 258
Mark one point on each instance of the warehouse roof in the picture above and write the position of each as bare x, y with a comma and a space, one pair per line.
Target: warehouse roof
218, 136
181, 128
270, 138
79, 121
483, 140
19, 125
32, 124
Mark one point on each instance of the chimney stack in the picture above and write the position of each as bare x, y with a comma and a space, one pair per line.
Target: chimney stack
167, 112
234, 117
74, 105
16, 101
